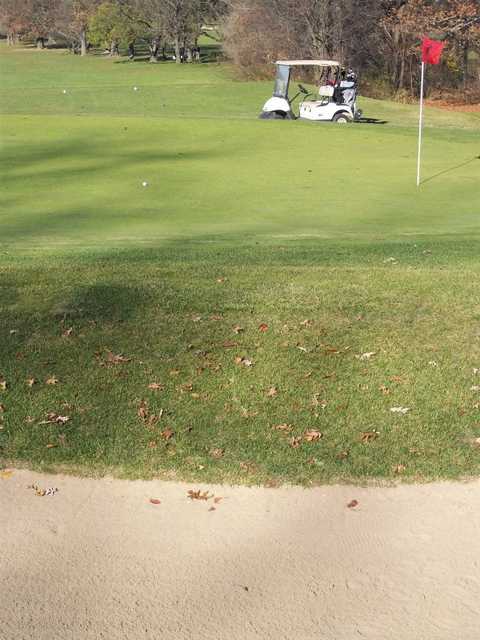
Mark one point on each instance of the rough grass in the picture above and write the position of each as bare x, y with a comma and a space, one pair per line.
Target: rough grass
317, 232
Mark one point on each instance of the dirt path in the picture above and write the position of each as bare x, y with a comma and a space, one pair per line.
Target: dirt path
98, 560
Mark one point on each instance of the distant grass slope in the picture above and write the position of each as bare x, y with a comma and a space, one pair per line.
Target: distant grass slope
316, 231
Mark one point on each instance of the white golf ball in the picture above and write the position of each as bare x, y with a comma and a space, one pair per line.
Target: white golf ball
64, 91
135, 88
144, 183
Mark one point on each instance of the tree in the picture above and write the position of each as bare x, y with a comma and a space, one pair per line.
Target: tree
109, 26
73, 19
15, 15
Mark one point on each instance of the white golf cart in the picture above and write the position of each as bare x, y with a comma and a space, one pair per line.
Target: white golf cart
337, 94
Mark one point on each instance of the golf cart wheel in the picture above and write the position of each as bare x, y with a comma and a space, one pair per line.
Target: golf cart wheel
342, 118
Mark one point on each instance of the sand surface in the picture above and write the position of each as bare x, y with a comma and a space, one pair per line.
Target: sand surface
98, 560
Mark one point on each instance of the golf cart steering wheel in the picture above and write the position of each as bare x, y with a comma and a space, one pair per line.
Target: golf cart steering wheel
302, 89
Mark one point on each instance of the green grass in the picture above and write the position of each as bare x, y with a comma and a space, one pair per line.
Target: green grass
243, 222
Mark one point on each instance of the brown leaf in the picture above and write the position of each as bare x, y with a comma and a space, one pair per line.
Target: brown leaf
237, 329
3, 385
399, 468
31, 382
166, 434
197, 494
212, 509
67, 333
246, 362
263, 327
174, 372
51, 446
476, 442
152, 444
272, 392
312, 435
295, 442
352, 504
217, 453
217, 499
397, 379
2, 408
156, 386
155, 501
221, 280
229, 344
343, 455
283, 427
51, 380
385, 390
368, 436
142, 411
306, 323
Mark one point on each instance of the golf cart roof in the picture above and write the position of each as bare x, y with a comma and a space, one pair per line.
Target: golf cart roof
309, 63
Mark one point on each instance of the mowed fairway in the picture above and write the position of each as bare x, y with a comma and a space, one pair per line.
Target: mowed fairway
245, 283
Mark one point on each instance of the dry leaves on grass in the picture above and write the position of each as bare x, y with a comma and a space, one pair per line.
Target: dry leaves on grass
143, 412
283, 427
52, 380
156, 386
237, 329
217, 453
167, 434
2, 408
385, 390
112, 359
55, 418
312, 435
263, 327
295, 442
67, 333
3, 385
399, 468
306, 323
367, 355
272, 392
369, 436
475, 387
30, 382
246, 362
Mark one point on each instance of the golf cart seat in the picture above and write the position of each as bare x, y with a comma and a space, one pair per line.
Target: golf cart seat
326, 91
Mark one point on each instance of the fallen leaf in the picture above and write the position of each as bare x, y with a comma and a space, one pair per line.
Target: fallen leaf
229, 344
155, 501
475, 370
51, 446
114, 359
6, 474
156, 386
283, 427
475, 387
352, 504
367, 355
3, 385
306, 323
174, 372
295, 442
237, 329
13, 331
152, 444
476, 442
217, 453
398, 379
31, 382
217, 499
246, 362
272, 392
312, 435
67, 333
402, 410
368, 436
399, 468
433, 363
166, 434
263, 327
385, 390
51, 380
212, 509
343, 455
197, 494
2, 408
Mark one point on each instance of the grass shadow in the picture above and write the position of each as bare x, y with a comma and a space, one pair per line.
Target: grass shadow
450, 170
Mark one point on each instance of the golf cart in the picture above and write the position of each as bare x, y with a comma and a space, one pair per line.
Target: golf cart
337, 94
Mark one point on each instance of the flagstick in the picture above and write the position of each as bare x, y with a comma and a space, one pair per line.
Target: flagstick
420, 125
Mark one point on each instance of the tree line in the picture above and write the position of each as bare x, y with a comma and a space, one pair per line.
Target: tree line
113, 23
379, 38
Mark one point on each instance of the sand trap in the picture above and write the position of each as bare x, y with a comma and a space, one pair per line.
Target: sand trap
98, 560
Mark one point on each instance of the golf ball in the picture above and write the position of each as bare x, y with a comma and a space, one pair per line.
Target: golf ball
144, 183
64, 91
135, 88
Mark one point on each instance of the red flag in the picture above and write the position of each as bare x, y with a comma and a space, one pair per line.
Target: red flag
431, 51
